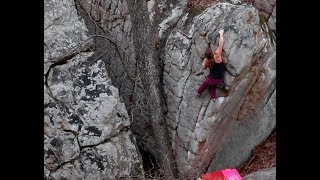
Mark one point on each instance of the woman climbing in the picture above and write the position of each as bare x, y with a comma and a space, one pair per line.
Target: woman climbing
213, 60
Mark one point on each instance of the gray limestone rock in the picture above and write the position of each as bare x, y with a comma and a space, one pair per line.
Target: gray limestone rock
198, 125
256, 118
266, 6
60, 149
263, 174
86, 134
111, 18
64, 31
109, 160
72, 171
267, 9
246, 135
273, 19
235, 1
86, 120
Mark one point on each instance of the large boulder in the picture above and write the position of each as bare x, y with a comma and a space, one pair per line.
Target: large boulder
199, 127
86, 125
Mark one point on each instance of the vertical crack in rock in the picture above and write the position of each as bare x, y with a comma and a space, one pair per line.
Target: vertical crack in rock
115, 21
270, 95
146, 55
182, 95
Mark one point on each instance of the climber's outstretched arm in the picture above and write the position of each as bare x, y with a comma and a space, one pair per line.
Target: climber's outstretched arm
221, 40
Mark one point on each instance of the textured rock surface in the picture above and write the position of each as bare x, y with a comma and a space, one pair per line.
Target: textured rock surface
199, 127
273, 19
111, 18
262, 156
86, 134
242, 140
267, 9
86, 123
64, 32
266, 6
235, 1
108, 160
269, 174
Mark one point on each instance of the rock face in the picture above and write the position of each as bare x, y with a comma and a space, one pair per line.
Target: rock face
269, 174
111, 19
205, 133
86, 134
267, 9
247, 133
95, 88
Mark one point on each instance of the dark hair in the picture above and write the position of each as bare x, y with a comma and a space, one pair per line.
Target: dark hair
208, 53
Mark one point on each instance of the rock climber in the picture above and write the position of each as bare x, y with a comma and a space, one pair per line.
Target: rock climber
213, 61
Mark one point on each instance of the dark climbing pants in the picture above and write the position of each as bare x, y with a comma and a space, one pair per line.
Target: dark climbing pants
211, 84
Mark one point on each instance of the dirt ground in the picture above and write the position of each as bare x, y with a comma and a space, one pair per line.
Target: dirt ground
263, 156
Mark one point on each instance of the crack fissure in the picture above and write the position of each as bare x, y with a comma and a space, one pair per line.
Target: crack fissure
63, 60
123, 129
